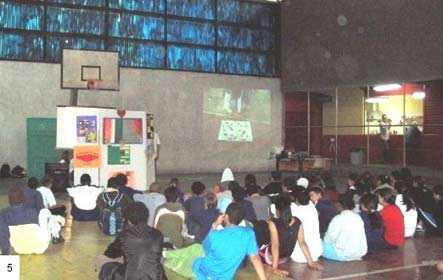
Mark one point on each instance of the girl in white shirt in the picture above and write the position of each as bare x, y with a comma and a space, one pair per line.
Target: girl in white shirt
305, 211
407, 208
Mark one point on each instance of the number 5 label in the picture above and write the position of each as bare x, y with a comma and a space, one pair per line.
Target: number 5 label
10, 267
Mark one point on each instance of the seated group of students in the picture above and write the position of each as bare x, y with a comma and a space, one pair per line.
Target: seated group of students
291, 219
208, 235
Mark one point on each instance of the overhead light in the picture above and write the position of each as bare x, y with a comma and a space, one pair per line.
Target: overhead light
387, 87
377, 99
419, 95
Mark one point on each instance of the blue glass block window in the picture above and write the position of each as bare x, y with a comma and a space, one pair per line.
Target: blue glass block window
92, 3
245, 38
246, 13
75, 21
154, 6
136, 26
22, 47
20, 16
191, 32
245, 63
192, 8
54, 46
191, 58
134, 54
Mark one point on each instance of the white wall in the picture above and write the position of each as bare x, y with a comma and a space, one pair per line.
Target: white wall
175, 98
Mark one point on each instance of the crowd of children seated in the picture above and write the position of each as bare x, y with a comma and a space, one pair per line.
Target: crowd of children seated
298, 219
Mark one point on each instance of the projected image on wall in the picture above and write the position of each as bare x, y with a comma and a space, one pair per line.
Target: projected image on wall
237, 116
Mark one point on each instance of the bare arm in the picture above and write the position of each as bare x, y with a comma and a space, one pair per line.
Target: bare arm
258, 266
275, 245
305, 249
275, 249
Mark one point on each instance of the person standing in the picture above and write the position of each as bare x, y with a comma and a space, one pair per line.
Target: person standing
152, 155
385, 126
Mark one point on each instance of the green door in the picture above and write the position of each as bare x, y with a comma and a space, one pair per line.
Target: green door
41, 141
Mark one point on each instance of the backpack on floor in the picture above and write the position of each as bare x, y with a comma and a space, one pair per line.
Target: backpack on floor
111, 219
5, 171
18, 172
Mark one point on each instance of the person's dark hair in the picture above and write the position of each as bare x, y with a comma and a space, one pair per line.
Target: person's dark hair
283, 206
346, 200
329, 181
250, 180
370, 202
438, 190
353, 177
276, 175
402, 189
406, 174
232, 185
171, 194
112, 183
252, 189
16, 195
46, 180
85, 180
210, 200
173, 182
290, 182
235, 212
33, 183
385, 179
136, 213
387, 195
303, 197
396, 175
315, 189
238, 194
198, 188
121, 180
419, 182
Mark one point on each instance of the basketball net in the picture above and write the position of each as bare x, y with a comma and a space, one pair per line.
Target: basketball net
92, 84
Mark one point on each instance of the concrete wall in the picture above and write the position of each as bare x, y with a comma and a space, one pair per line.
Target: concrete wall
354, 42
175, 98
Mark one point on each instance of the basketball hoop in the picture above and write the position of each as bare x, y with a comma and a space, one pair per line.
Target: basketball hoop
92, 84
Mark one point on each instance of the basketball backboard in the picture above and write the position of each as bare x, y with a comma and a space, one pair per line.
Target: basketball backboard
85, 69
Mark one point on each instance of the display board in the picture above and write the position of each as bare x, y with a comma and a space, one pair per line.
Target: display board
104, 143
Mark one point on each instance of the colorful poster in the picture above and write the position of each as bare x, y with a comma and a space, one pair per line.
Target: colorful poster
129, 174
88, 156
86, 129
119, 155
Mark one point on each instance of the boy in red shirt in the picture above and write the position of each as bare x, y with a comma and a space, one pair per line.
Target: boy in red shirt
394, 226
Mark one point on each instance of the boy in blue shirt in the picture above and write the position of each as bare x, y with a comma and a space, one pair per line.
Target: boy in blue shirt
226, 249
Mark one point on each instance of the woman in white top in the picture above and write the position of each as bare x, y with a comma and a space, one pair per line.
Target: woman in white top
305, 211
345, 239
407, 208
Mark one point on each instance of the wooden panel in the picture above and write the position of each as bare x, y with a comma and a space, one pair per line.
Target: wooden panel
433, 108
